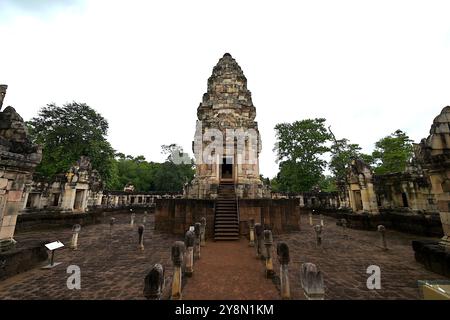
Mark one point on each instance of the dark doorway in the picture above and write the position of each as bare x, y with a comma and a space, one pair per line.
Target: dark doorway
358, 200
405, 200
227, 168
55, 199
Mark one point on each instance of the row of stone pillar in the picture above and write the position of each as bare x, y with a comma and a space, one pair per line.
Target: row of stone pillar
183, 254
311, 277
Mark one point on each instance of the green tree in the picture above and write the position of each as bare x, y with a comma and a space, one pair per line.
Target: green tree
342, 151
327, 183
392, 153
299, 147
68, 132
152, 176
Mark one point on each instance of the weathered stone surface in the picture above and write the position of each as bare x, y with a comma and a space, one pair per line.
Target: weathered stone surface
227, 113
283, 253
312, 281
361, 189
18, 159
433, 154
154, 282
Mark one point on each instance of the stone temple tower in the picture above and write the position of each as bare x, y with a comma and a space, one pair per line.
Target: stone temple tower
227, 141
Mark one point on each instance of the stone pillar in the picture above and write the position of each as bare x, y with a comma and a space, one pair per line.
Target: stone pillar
177, 258
203, 232
344, 228
141, 236
268, 242
382, 231
259, 240
321, 221
189, 241
283, 259
311, 218
111, 225
372, 199
318, 230
154, 283
68, 197
197, 227
75, 231
437, 178
144, 219
302, 202
133, 215
251, 227
312, 282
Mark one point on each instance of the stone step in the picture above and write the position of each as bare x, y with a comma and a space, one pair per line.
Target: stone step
228, 227
221, 234
226, 238
226, 221
226, 224
231, 226
232, 234
226, 214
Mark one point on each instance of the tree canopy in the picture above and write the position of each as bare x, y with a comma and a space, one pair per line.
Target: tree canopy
299, 147
392, 153
151, 176
68, 132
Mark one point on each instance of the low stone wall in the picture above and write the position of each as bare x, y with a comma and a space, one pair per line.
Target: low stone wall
433, 256
16, 261
176, 215
278, 215
57, 219
420, 224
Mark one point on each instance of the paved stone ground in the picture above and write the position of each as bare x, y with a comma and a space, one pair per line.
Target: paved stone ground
229, 271
344, 262
115, 271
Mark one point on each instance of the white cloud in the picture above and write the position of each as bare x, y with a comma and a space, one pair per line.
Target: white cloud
368, 68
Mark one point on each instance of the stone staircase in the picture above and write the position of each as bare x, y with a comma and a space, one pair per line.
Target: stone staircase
226, 220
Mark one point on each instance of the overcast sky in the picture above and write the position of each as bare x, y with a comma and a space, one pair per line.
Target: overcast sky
368, 67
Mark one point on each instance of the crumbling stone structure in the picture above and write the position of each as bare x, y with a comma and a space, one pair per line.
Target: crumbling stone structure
227, 142
361, 190
18, 159
433, 154
408, 191
74, 191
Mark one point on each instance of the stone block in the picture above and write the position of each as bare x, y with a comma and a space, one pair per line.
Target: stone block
3, 183
6, 232
15, 196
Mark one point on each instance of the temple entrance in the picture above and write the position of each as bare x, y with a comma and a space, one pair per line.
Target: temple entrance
227, 168
358, 200
79, 197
